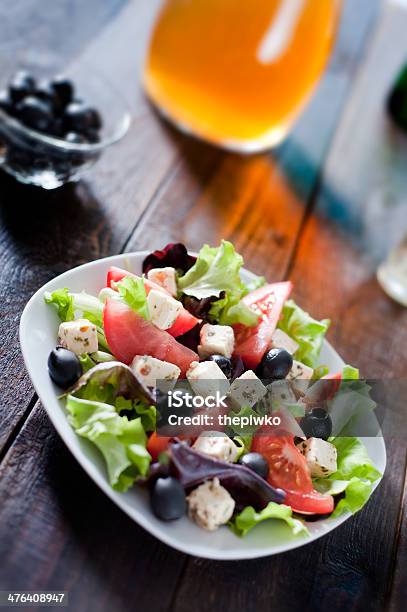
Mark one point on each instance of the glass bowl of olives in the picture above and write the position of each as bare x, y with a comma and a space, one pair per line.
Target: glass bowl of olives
53, 128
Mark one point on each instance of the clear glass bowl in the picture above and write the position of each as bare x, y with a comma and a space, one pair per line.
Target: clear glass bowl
46, 161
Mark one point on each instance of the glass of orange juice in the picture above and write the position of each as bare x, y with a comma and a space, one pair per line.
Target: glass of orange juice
237, 72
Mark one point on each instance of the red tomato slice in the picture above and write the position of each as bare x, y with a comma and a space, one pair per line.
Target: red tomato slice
310, 503
289, 471
157, 444
128, 334
268, 301
185, 320
183, 324
115, 275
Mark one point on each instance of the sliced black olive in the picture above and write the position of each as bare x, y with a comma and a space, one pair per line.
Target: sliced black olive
64, 367
224, 363
255, 462
317, 424
276, 364
167, 499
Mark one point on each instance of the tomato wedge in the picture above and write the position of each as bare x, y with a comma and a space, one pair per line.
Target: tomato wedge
289, 471
185, 320
268, 301
157, 444
128, 334
115, 275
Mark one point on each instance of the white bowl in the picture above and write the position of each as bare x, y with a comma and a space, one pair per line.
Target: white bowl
38, 332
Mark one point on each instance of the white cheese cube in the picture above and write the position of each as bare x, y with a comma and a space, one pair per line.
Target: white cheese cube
79, 336
282, 340
163, 309
216, 340
319, 455
210, 505
165, 277
206, 378
301, 375
247, 389
217, 445
149, 370
282, 393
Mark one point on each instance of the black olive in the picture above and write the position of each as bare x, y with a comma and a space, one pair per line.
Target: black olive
224, 363
167, 499
21, 85
5, 102
35, 114
317, 424
75, 138
92, 136
255, 462
276, 364
64, 367
80, 118
46, 93
64, 89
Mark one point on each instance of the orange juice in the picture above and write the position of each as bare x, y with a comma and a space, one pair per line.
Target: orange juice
237, 72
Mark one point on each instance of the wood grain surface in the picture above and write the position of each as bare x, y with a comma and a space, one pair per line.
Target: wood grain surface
315, 211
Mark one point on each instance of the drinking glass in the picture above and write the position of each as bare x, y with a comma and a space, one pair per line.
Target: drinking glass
237, 72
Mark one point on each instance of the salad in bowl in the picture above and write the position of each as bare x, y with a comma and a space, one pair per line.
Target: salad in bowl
205, 388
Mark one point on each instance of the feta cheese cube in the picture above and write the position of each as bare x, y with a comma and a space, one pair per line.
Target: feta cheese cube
216, 340
210, 505
206, 378
165, 277
149, 370
79, 336
282, 340
217, 445
247, 389
163, 309
301, 375
282, 393
320, 456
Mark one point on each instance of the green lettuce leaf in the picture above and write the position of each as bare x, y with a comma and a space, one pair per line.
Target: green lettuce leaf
306, 331
350, 373
147, 413
249, 518
133, 292
121, 442
231, 310
63, 301
217, 271
82, 305
354, 476
87, 362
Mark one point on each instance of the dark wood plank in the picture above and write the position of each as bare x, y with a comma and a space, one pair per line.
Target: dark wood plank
44, 233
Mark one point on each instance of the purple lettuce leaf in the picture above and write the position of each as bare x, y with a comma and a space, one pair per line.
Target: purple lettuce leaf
246, 487
174, 255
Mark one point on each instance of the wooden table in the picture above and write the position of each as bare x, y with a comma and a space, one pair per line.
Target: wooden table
322, 210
